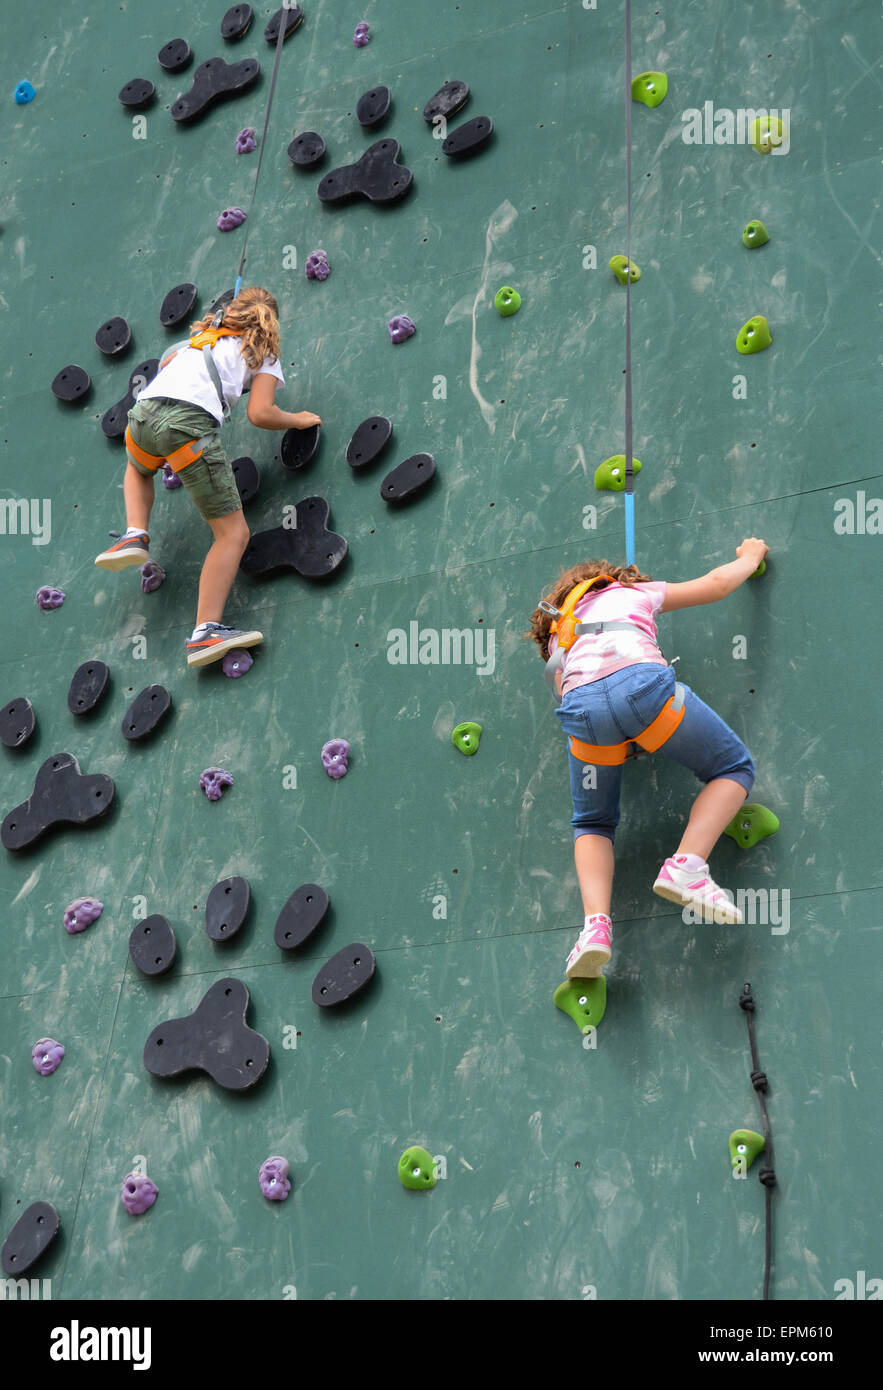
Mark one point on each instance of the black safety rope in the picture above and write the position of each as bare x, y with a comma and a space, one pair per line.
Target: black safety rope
766, 1174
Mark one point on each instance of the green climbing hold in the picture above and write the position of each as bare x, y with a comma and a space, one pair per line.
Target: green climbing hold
610, 475
755, 234
507, 301
761, 569
618, 266
417, 1169
745, 1145
766, 135
467, 737
649, 87
751, 824
754, 335
584, 1000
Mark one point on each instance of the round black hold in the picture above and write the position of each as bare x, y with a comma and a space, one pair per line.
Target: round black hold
408, 478
88, 687
17, 722
369, 441
306, 150
227, 908
145, 712
447, 101
299, 447
139, 92
373, 107
301, 916
32, 1234
469, 138
175, 56
72, 384
344, 976
293, 19
152, 945
222, 301
248, 479
113, 337
236, 22
178, 305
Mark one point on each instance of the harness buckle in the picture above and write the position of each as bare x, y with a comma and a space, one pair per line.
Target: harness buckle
549, 608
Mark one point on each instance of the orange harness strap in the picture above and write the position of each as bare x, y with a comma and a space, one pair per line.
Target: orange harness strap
652, 738
177, 460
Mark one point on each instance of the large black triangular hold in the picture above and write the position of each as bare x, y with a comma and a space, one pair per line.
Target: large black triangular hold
145, 712
72, 383
307, 547
215, 1039
236, 22
301, 916
344, 975
469, 138
293, 20
299, 447
114, 421
306, 150
447, 101
30, 1237
88, 687
62, 795
373, 107
227, 908
213, 81
113, 337
152, 945
178, 304
247, 477
376, 176
17, 722
368, 442
408, 478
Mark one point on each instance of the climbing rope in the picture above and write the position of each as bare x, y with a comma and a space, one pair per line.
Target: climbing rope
629, 468
766, 1175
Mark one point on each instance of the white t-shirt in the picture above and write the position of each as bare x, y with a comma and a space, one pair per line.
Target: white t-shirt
599, 654
186, 378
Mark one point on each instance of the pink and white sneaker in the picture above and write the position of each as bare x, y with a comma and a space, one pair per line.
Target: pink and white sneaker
695, 888
592, 950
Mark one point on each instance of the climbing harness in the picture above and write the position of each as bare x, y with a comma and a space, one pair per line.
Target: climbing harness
629, 497
181, 458
767, 1174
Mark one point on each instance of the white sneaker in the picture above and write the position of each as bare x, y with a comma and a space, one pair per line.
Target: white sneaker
695, 888
592, 950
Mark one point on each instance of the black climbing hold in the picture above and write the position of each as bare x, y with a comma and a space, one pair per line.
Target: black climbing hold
236, 22
448, 100
301, 916
248, 479
373, 107
408, 478
294, 19
306, 150
376, 176
215, 1039
214, 80
113, 337
344, 976
137, 93
152, 945
469, 138
178, 305
17, 722
146, 711
222, 300
227, 908
113, 422
369, 441
175, 56
299, 447
62, 795
308, 547
72, 383
88, 687
30, 1237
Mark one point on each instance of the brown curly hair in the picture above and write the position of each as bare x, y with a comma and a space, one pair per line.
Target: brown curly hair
540, 622
255, 314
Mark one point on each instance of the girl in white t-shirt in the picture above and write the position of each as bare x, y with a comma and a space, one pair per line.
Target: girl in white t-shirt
177, 418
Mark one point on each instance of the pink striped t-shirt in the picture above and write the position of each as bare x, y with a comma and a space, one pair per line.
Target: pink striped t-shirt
595, 655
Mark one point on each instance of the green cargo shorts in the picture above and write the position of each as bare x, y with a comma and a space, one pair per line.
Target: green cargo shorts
160, 426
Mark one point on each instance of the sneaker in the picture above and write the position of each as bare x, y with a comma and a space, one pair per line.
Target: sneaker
592, 949
129, 550
696, 888
216, 639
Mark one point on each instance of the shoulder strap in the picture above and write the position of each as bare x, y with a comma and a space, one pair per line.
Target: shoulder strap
216, 380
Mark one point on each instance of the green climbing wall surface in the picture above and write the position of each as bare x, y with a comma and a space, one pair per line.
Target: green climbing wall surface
568, 1170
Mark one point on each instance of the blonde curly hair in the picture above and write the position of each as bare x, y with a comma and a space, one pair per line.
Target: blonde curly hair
541, 623
255, 314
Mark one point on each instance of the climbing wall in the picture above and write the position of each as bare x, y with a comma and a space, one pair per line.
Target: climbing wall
571, 1169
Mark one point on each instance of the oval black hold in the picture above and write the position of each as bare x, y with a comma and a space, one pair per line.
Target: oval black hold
178, 304
248, 479
227, 908
175, 56
373, 107
138, 92
469, 138
299, 447
236, 22
17, 722
223, 299
113, 421
301, 916
88, 687
113, 337
72, 383
369, 441
146, 711
408, 478
30, 1237
344, 976
294, 18
448, 99
152, 945
306, 150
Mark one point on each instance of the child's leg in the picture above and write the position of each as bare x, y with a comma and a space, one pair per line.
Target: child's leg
231, 535
711, 813
138, 495
593, 856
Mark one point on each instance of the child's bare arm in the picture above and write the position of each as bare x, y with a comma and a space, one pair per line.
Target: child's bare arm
263, 411
718, 583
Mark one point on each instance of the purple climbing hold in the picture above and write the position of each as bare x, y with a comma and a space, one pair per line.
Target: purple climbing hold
152, 575
138, 1194
274, 1180
245, 141
170, 478
49, 598
81, 913
230, 218
362, 34
334, 757
235, 663
401, 328
317, 267
46, 1056
213, 781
